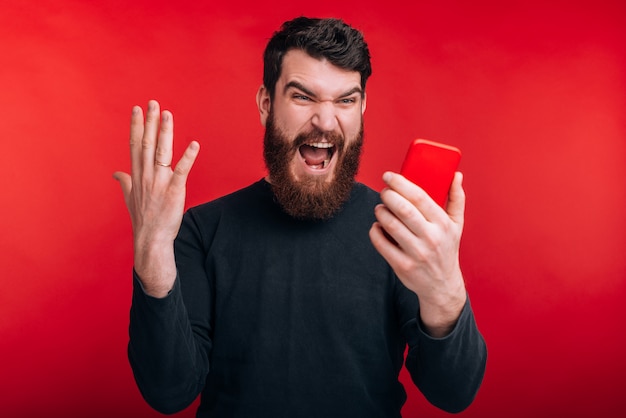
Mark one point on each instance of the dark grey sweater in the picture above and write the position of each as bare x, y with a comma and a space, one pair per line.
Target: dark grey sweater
274, 317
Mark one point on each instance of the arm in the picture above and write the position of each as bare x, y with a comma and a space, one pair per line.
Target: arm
168, 356
420, 241
448, 370
167, 363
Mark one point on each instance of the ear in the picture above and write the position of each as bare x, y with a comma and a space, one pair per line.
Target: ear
264, 103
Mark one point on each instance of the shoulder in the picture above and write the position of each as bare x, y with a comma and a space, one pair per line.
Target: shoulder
240, 204
252, 194
362, 201
365, 193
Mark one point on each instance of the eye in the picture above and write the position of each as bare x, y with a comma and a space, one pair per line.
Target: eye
301, 97
347, 101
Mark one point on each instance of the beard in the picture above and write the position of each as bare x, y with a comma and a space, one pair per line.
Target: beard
312, 197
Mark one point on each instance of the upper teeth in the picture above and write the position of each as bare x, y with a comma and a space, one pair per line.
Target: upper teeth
321, 145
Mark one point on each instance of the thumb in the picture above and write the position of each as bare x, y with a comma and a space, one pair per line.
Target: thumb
456, 199
125, 181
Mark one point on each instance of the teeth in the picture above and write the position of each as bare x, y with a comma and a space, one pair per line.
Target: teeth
325, 163
321, 145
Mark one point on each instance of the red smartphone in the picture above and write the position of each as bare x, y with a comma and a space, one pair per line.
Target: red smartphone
431, 165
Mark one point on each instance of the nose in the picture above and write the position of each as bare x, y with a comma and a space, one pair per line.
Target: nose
324, 118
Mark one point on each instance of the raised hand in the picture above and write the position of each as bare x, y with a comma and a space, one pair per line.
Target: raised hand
420, 241
155, 195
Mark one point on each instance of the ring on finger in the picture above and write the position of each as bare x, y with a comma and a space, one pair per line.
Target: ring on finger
159, 163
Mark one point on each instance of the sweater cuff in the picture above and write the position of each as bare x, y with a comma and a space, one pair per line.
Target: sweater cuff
140, 291
463, 317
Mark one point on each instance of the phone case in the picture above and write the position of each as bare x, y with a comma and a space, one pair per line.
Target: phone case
431, 165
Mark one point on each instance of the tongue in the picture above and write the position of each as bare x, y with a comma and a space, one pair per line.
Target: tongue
312, 155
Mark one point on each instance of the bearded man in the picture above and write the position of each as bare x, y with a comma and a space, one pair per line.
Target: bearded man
298, 295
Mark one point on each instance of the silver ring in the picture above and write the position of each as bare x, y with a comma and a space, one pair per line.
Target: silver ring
159, 163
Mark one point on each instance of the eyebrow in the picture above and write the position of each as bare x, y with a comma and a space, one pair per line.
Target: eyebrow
300, 86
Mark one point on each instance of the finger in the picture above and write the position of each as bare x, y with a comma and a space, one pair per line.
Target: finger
136, 134
163, 154
414, 194
386, 248
456, 199
402, 211
126, 183
184, 165
148, 141
403, 232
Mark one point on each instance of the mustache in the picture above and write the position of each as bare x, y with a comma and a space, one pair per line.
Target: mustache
317, 135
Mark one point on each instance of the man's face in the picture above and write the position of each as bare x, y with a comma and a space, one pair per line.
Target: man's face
314, 131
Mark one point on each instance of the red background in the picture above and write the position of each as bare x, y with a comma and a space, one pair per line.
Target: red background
533, 92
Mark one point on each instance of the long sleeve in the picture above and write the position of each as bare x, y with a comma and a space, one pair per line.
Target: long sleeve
169, 348
448, 370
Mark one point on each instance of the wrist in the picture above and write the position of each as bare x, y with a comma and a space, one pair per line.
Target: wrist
155, 266
440, 315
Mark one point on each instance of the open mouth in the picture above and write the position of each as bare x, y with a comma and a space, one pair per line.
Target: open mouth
317, 155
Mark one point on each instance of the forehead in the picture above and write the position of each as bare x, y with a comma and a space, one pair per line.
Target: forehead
318, 75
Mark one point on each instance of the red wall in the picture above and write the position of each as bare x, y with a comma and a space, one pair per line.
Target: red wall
534, 93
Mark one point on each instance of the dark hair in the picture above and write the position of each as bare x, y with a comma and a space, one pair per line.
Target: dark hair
342, 45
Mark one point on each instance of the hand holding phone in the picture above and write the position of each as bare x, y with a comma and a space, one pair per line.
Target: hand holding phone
431, 165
